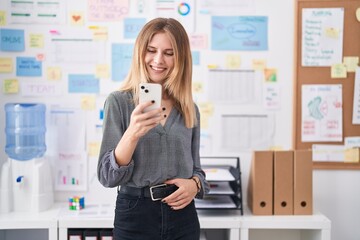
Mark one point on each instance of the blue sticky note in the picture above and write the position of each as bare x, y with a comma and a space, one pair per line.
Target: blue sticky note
121, 55
12, 40
132, 27
195, 57
28, 67
83, 83
242, 33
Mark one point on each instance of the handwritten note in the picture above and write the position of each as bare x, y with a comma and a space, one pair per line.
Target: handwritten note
6, 65
321, 113
36, 41
83, 83
113, 10
322, 36
11, 86
198, 41
40, 89
239, 33
2, 18
12, 40
28, 67
132, 27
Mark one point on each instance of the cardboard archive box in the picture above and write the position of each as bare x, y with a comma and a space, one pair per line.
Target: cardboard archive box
303, 182
260, 188
283, 182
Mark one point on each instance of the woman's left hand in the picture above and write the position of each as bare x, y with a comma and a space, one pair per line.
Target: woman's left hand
185, 193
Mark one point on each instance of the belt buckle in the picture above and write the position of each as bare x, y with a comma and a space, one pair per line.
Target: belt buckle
151, 191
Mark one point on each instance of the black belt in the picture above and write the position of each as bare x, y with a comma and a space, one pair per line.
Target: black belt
156, 192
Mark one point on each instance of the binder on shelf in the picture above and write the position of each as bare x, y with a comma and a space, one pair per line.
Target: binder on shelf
91, 234
75, 234
303, 182
283, 182
260, 187
223, 175
106, 234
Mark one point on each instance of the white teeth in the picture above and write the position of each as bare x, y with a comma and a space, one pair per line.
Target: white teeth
157, 69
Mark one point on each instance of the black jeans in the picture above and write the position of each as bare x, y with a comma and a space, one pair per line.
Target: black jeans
138, 218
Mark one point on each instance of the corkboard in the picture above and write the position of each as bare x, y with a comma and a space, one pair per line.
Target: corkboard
322, 75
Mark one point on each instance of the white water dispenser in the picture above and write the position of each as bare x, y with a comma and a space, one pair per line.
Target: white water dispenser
26, 178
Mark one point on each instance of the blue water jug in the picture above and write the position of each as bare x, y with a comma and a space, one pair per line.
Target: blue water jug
25, 130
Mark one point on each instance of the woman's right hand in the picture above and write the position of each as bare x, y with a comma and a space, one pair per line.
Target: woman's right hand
141, 122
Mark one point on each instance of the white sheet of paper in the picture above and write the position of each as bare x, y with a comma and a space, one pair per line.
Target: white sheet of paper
218, 174
322, 36
321, 113
328, 153
356, 99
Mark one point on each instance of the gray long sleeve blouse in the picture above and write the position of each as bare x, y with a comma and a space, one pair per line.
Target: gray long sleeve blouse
165, 152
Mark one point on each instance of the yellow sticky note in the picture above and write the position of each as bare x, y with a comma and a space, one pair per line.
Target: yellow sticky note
259, 64
36, 40
53, 73
11, 86
351, 63
197, 87
206, 109
270, 75
276, 148
332, 33
99, 33
93, 149
351, 155
338, 71
2, 18
88, 103
233, 61
76, 18
212, 66
102, 71
6, 65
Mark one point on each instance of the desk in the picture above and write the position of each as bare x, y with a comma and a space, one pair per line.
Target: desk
46, 220
101, 216
59, 219
313, 227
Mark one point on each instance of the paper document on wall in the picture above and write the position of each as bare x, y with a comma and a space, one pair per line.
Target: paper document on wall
322, 36
356, 99
328, 153
321, 113
218, 174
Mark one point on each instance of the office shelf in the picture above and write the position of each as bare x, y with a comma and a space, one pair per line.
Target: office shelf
59, 220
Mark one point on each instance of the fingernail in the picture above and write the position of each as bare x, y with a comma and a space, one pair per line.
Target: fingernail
153, 101
164, 108
165, 116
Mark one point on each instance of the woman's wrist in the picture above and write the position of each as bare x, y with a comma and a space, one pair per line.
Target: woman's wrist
197, 183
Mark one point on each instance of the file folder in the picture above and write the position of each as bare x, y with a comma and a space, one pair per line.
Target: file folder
283, 183
260, 189
303, 182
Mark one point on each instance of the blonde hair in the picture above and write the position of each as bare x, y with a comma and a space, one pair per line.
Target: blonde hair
179, 81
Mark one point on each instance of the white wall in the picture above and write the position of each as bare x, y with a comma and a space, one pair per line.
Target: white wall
335, 192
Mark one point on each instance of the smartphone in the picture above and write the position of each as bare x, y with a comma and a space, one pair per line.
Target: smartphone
150, 92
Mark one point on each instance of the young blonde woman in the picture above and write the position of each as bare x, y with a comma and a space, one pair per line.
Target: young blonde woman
154, 156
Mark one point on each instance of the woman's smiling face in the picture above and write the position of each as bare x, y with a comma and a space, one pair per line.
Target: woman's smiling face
159, 58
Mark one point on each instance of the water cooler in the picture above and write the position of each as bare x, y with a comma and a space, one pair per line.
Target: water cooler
26, 178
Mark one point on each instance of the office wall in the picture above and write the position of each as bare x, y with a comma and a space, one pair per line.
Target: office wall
335, 200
